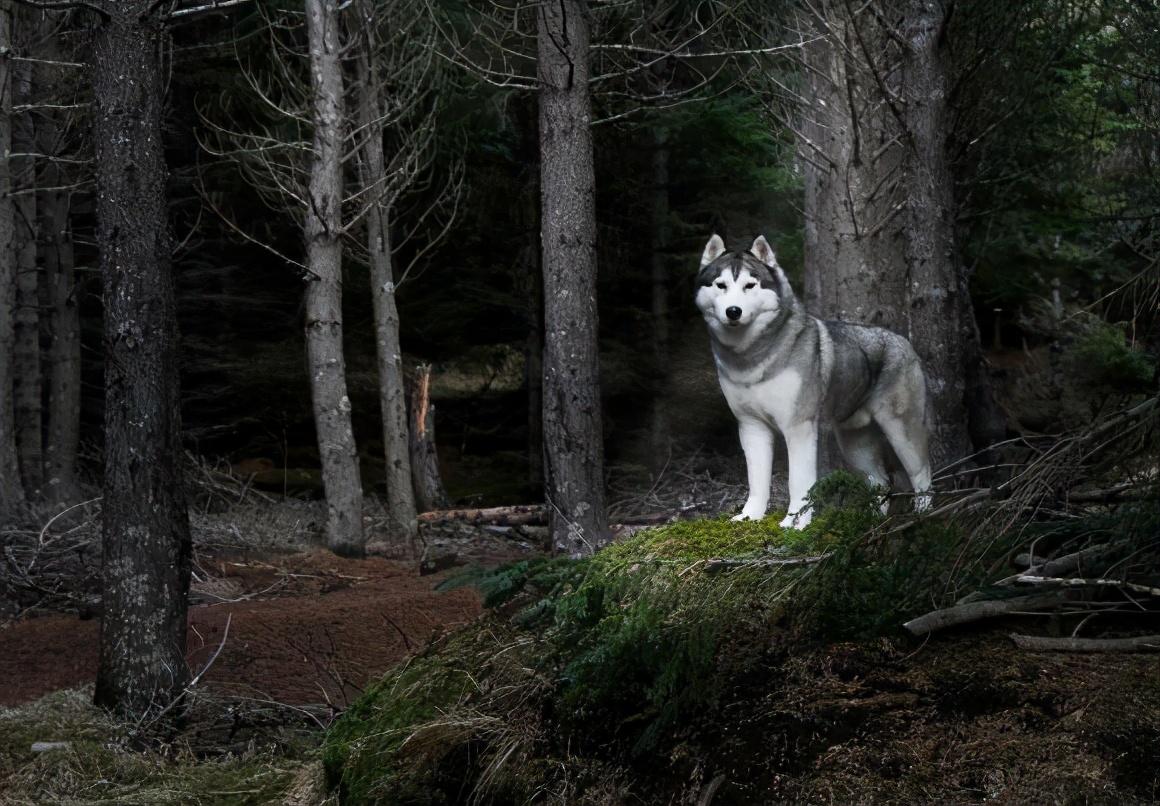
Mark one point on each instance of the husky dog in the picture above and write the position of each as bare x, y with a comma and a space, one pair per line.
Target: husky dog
782, 369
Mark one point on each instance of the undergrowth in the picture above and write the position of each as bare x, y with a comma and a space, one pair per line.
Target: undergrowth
90, 764
613, 656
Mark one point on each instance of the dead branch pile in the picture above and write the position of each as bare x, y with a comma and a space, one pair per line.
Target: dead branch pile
1078, 520
55, 567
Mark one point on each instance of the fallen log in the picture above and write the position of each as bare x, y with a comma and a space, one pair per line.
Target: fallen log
516, 515
537, 515
723, 563
1041, 566
977, 611
1039, 643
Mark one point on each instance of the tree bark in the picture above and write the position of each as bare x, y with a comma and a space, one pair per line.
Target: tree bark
659, 232
62, 327
853, 252
880, 205
404, 528
935, 293
573, 434
145, 528
27, 387
534, 341
322, 228
12, 502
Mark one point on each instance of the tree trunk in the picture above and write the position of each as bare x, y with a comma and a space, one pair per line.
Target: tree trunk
935, 292
880, 206
573, 435
11, 493
847, 268
659, 233
854, 251
322, 228
146, 539
428, 483
533, 279
404, 528
62, 327
27, 386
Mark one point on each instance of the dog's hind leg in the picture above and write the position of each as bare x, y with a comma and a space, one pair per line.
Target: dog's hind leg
757, 443
907, 436
802, 442
864, 449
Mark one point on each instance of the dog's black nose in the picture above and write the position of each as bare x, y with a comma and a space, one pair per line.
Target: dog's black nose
733, 312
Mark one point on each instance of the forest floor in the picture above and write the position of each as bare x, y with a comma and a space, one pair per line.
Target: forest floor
966, 717
305, 627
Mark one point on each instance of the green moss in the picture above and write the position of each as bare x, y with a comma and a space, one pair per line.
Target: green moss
696, 540
606, 659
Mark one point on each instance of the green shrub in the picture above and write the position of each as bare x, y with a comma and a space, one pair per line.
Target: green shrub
1102, 357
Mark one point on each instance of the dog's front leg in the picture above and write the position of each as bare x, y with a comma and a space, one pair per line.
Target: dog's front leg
757, 443
802, 444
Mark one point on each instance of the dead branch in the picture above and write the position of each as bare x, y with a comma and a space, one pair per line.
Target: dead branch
1074, 582
1060, 565
1040, 643
517, 515
725, 563
977, 611
537, 515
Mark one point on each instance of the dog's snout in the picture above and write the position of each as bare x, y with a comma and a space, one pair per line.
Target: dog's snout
733, 312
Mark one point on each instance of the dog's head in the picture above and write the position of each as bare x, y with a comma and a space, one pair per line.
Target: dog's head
737, 288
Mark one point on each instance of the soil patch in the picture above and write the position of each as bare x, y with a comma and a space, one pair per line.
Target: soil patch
304, 628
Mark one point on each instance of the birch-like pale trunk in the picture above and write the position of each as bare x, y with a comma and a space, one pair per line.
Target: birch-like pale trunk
12, 502
401, 515
573, 433
322, 228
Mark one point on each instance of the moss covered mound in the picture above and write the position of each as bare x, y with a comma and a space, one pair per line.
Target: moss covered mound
736, 663
583, 664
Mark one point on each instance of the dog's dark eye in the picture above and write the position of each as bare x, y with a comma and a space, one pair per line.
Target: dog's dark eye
720, 285
750, 286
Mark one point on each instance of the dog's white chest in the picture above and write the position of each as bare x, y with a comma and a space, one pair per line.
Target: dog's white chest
772, 401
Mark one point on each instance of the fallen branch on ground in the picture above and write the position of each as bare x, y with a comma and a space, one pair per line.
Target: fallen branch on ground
1062, 565
722, 563
517, 515
977, 611
1038, 643
1075, 582
536, 515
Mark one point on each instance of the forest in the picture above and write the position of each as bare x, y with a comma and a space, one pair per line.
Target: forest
579, 401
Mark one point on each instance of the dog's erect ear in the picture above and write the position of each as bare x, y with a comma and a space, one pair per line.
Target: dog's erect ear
713, 250
763, 251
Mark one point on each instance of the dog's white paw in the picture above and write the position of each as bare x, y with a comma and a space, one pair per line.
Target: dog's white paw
798, 520
751, 512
